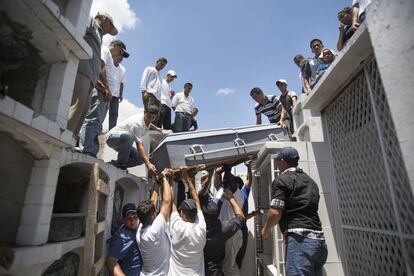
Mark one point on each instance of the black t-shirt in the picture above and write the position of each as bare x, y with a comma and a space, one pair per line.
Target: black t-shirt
297, 195
217, 235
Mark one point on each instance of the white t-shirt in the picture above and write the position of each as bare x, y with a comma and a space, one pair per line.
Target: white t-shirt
363, 4
183, 103
134, 125
166, 93
187, 244
154, 245
226, 212
151, 82
110, 69
115, 83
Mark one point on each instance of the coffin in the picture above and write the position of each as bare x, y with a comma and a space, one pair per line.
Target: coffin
213, 146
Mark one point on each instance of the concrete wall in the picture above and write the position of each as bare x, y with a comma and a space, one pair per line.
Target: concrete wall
15, 170
393, 43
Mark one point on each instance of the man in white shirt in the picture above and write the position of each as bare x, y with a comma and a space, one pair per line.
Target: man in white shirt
183, 104
164, 120
151, 83
309, 72
99, 105
121, 138
116, 80
152, 235
188, 234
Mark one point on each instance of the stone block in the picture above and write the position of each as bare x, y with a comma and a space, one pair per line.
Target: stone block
57, 73
31, 256
48, 253
32, 234
319, 151
40, 123
44, 176
67, 137
322, 173
53, 129
36, 214
7, 106
330, 243
37, 194
23, 114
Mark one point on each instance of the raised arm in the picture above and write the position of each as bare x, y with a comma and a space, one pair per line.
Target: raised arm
166, 194
154, 193
151, 168
236, 208
187, 180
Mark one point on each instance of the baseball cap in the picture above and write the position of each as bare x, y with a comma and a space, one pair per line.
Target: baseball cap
288, 154
114, 30
129, 208
172, 73
281, 81
123, 47
187, 205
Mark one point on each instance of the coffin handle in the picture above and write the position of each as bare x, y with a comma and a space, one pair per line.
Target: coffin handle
196, 149
272, 137
239, 142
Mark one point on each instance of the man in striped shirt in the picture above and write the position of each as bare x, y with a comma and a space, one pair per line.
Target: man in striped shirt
269, 106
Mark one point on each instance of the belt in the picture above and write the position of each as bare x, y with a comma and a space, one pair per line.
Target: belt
185, 113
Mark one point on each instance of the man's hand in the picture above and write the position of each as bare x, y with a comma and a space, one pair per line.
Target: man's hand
228, 194
341, 26
184, 172
108, 95
282, 124
120, 99
152, 169
167, 172
99, 85
265, 233
355, 25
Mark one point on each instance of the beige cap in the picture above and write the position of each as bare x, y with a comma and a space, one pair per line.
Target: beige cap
114, 30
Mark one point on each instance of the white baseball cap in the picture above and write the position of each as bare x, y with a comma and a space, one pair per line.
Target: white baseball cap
204, 173
172, 73
281, 81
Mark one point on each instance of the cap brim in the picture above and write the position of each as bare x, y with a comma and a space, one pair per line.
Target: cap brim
125, 54
114, 30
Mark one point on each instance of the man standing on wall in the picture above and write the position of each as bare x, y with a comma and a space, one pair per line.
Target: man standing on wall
294, 206
183, 104
151, 84
89, 71
116, 80
288, 100
269, 106
164, 120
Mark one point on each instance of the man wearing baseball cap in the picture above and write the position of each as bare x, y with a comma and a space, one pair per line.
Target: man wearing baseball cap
188, 233
164, 119
124, 257
294, 206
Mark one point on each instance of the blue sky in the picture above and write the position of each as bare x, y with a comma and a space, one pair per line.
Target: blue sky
227, 45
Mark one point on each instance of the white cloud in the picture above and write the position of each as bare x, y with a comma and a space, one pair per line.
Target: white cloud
126, 110
225, 91
124, 17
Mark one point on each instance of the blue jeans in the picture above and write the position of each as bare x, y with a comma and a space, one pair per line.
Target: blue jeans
304, 256
92, 126
113, 112
128, 156
182, 122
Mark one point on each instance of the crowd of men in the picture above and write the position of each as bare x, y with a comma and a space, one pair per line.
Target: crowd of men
205, 235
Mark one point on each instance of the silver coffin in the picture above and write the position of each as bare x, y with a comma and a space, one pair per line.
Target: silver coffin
212, 146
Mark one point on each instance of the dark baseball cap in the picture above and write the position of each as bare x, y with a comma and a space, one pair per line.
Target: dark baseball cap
152, 109
187, 205
121, 44
288, 154
129, 208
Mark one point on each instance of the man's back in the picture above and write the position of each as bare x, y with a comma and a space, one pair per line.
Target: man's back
188, 240
154, 245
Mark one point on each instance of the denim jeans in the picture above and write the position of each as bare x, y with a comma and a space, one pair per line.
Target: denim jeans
164, 120
304, 256
92, 126
128, 156
182, 122
113, 112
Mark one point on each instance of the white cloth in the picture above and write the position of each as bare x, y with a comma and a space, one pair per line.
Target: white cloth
313, 63
181, 103
134, 125
118, 78
166, 93
151, 82
110, 69
226, 212
363, 4
187, 244
154, 245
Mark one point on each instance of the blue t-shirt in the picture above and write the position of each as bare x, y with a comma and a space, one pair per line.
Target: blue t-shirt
123, 246
245, 192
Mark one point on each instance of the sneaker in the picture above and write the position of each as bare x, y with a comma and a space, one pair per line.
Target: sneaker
119, 166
